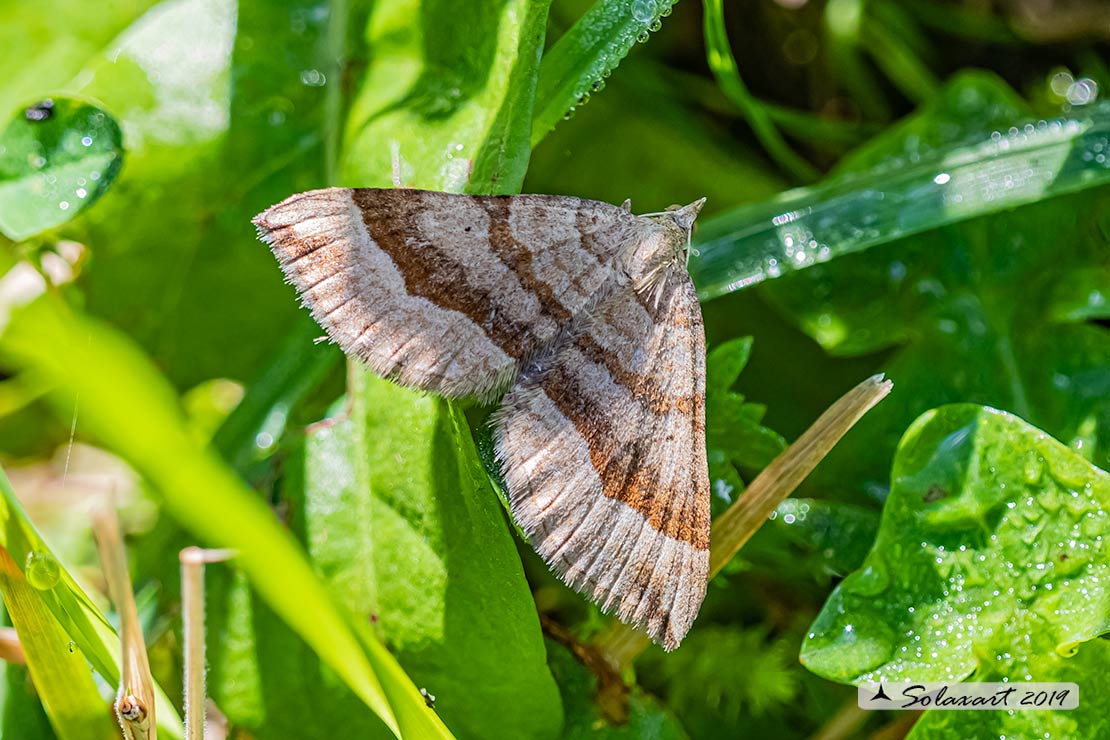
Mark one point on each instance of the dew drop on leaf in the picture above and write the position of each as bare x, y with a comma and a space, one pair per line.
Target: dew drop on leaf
42, 570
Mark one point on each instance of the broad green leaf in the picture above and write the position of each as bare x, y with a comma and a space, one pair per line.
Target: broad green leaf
580, 61
61, 675
52, 606
130, 409
45, 43
646, 719
441, 105
990, 561
399, 516
56, 157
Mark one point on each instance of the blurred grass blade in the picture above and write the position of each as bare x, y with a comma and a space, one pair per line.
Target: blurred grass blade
56, 158
129, 407
62, 677
584, 56
995, 171
723, 65
294, 371
74, 611
135, 701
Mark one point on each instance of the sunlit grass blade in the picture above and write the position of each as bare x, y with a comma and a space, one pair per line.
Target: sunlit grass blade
131, 409
585, 55
79, 619
992, 172
62, 677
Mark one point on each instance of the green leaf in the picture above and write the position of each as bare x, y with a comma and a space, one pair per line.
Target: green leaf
725, 362
22, 713
45, 43
210, 144
588, 53
990, 560
399, 516
56, 158
131, 410
440, 106
61, 675
734, 436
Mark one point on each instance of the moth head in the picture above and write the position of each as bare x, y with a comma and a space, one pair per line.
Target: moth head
684, 216
667, 243
678, 224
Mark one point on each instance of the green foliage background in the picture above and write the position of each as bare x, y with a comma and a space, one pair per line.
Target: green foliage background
948, 226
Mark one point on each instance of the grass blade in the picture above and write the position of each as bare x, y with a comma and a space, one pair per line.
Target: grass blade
61, 675
585, 55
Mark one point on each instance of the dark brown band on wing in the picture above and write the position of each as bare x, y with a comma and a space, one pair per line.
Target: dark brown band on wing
623, 474
518, 258
430, 273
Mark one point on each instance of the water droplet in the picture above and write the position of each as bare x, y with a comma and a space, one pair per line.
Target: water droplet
86, 141
313, 78
72, 646
643, 10
655, 25
644, 36
42, 570
64, 205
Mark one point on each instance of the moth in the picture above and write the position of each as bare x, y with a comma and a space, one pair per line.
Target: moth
583, 317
